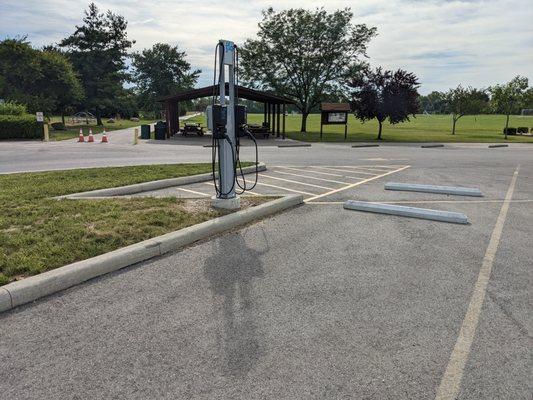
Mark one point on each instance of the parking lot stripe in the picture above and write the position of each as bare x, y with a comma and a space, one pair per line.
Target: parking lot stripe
297, 182
247, 192
343, 170
375, 169
284, 188
311, 177
192, 191
355, 184
321, 173
451, 380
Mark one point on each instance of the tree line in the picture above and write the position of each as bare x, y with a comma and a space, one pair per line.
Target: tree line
308, 56
88, 71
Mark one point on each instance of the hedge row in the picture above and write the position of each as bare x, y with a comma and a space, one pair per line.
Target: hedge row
20, 127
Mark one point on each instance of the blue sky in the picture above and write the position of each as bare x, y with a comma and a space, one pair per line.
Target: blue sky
445, 43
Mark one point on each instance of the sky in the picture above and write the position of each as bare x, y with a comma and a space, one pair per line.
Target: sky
444, 42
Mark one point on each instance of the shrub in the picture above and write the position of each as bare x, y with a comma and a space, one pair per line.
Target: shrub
58, 126
522, 129
510, 131
12, 108
20, 127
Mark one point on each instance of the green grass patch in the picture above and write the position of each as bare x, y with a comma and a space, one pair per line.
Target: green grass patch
74, 130
39, 234
423, 128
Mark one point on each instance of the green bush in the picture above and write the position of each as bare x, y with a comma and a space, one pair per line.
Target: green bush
20, 127
510, 131
522, 129
58, 126
12, 108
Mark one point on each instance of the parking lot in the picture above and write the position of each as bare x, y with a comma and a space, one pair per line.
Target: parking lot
314, 303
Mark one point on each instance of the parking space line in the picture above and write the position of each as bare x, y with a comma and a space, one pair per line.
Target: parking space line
327, 173
375, 169
192, 191
311, 177
355, 184
284, 188
451, 380
247, 192
297, 182
343, 170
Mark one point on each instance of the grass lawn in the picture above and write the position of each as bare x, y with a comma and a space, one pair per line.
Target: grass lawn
39, 234
423, 128
74, 130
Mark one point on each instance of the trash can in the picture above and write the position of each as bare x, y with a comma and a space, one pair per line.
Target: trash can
160, 130
145, 131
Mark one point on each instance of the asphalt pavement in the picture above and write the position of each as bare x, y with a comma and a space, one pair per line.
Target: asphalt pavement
314, 303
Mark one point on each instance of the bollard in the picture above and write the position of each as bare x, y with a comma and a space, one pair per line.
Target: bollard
46, 134
136, 136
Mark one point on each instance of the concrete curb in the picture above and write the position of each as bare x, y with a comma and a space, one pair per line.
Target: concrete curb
495, 146
153, 185
430, 146
405, 211
415, 187
356, 146
27, 290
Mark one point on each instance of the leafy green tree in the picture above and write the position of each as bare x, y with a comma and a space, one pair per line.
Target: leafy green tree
435, 102
465, 101
384, 94
304, 54
510, 97
159, 71
98, 50
44, 80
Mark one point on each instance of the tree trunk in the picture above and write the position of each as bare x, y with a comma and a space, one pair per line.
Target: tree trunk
98, 118
506, 126
63, 117
380, 129
453, 126
303, 129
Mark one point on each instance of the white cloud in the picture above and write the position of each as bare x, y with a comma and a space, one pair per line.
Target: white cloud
445, 43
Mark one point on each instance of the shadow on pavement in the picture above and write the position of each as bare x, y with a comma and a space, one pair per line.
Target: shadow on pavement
231, 270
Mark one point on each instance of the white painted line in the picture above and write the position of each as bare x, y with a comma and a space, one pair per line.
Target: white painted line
375, 169
284, 188
356, 184
310, 177
406, 211
192, 191
248, 191
343, 170
451, 380
297, 182
323, 173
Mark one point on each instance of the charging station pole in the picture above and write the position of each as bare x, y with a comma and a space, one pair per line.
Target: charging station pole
227, 199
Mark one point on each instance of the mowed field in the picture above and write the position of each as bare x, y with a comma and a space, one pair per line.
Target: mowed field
423, 128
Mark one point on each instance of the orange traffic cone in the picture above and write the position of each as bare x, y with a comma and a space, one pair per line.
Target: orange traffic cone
104, 137
91, 137
81, 138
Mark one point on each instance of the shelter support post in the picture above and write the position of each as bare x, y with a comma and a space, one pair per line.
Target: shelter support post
278, 125
284, 111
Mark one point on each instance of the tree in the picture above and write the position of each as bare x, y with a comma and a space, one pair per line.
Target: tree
464, 101
434, 102
303, 54
509, 98
98, 50
159, 71
44, 80
384, 94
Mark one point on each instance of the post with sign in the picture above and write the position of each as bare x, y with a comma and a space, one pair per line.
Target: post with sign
334, 114
39, 116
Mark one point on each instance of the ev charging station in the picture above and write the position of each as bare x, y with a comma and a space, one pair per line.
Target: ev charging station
227, 122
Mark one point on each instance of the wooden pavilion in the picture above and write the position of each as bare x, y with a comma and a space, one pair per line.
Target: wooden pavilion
274, 106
